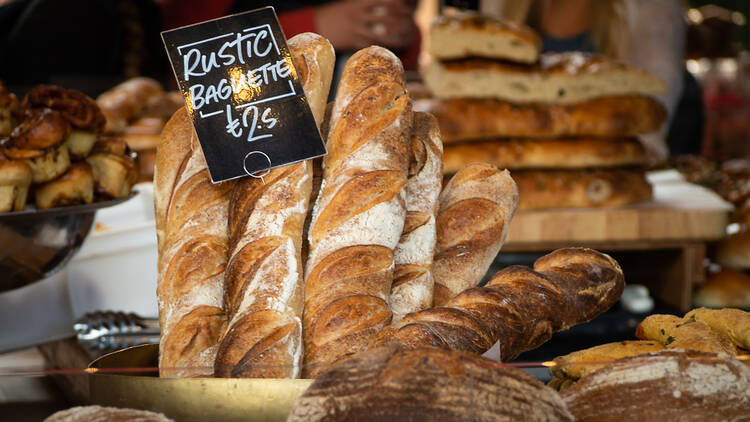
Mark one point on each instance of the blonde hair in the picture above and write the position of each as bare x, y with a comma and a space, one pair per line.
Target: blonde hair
609, 22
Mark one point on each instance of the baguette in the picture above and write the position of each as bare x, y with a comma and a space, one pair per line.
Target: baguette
359, 215
192, 240
263, 280
476, 208
519, 307
412, 280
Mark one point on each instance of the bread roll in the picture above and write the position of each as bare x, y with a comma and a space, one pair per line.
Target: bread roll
465, 119
426, 385
667, 386
192, 238
359, 215
731, 323
541, 189
559, 78
519, 307
124, 102
75, 187
734, 250
475, 211
726, 288
571, 153
476, 35
263, 283
678, 333
412, 282
15, 179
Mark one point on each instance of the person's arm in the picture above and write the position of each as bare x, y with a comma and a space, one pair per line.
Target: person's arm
657, 43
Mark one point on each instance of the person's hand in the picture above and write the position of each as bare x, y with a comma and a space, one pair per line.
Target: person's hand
355, 24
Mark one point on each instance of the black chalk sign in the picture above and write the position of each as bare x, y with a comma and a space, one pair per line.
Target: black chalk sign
243, 94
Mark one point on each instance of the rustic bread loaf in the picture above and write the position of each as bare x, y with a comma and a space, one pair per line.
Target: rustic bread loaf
466, 119
475, 210
263, 279
519, 307
540, 189
426, 385
666, 386
412, 275
475, 35
192, 240
559, 78
359, 214
569, 153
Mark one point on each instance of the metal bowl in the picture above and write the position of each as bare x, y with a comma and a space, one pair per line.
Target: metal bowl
34, 244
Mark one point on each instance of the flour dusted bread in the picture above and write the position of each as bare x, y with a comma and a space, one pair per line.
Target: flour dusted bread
472, 34
559, 78
192, 238
263, 279
426, 384
569, 153
359, 214
465, 119
475, 209
413, 283
581, 188
667, 386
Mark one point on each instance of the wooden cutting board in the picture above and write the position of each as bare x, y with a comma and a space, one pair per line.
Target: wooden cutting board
679, 211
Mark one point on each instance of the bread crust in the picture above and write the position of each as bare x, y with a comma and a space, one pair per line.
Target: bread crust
466, 119
571, 153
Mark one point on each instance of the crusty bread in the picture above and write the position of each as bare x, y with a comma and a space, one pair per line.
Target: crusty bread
540, 189
412, 275
519, 154
472, 34
463, 119
734, 250
667, 386
560, 78
684, 333
192, 239
519, 307
475, 210
426, 385
359, 215
263, 282
105, 414
726, 288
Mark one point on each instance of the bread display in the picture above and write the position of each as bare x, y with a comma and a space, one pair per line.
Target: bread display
105, 414
474, 214
472, 34
413, 283
359, 214
669, 385
468, 119
75, 187
581, 188
520, 307
426, 384
263, 279
726, 288
558, 78
15, 179
520, 154
192, 239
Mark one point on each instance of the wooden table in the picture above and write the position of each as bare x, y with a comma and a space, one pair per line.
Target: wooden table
660, 243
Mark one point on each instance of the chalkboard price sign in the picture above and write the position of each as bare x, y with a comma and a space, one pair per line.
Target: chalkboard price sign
243, 94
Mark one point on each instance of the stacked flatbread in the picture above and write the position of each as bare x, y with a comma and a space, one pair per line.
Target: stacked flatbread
565, 124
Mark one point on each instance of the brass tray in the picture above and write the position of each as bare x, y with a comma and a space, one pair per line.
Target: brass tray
190, 399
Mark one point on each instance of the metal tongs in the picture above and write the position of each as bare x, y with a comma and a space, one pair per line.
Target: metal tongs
108, 330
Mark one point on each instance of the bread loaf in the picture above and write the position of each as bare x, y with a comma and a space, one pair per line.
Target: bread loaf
731, 323
473, 34
464, 119
475, 210
519, 307
617, 187
724, 288
412, 280
559, 78
734, 250
263, 279
359, 215
678, 333
570, 153
192, 239
667, 386
426, 385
